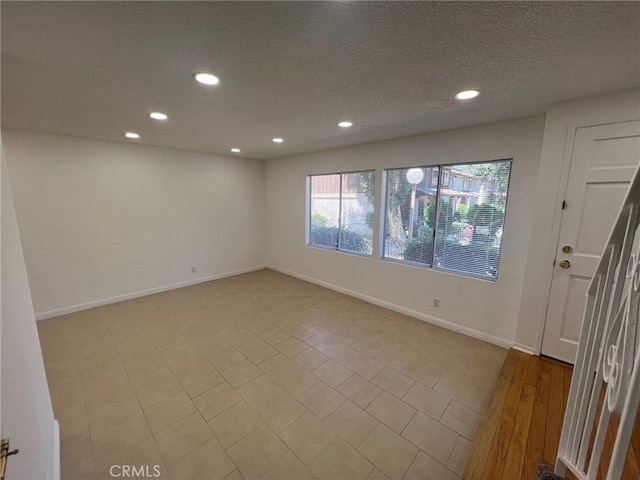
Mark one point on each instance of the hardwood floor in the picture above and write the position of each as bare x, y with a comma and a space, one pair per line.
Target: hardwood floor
523, 422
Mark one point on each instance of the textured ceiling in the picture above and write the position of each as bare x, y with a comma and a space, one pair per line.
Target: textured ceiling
294, 69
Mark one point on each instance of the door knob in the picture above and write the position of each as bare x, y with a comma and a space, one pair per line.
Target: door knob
564, 264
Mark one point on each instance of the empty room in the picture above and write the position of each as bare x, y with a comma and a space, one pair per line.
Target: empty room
331, 240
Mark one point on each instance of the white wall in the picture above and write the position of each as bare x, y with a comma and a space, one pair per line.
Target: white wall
479, 307
26, 415
552, 178
102, 219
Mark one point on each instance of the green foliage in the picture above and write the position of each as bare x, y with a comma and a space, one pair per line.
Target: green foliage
430, 215
499, 171
485, 215
486, 220
353, 242
493, 171
328, 237
455, 228
445, 217
368, 220
462, 212
479, 257
419, 249
445, 214
318, 220
368, 185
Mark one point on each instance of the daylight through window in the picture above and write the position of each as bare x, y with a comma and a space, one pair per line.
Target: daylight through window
449, 217
341, 211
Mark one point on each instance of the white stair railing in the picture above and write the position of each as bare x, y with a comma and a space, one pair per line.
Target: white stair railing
606, 376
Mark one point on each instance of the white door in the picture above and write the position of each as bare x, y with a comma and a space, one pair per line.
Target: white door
603, 161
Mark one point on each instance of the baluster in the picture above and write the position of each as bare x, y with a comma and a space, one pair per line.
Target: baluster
595, 364
606, 356
580, 374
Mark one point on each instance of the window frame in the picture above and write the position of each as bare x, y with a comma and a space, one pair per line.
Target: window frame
445, 179
439, 186
309, 214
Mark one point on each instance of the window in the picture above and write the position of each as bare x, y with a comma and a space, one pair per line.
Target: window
341, 211
454, 224
408, 234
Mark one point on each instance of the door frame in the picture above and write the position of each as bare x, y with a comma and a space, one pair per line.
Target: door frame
561, 122
554, 238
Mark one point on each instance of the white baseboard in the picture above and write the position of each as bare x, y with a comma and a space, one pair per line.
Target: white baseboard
501, 342
142, 293
57, 474
524, 348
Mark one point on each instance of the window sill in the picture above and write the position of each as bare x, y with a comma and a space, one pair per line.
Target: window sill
424, 266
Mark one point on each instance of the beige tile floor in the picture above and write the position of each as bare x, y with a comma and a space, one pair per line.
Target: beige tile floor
263, 376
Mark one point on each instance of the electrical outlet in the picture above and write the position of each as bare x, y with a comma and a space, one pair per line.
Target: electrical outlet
193, 269
436, 302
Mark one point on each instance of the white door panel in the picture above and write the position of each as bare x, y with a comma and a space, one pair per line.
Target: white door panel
603, 160
576, 292
605, 197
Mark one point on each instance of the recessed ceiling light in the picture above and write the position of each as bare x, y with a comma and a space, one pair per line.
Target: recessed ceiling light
158, 116
277, 140
467, 94
235, 150
132, 135
345, 124
206, 78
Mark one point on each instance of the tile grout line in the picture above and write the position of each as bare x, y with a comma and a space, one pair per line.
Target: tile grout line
184, 326
142, 409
